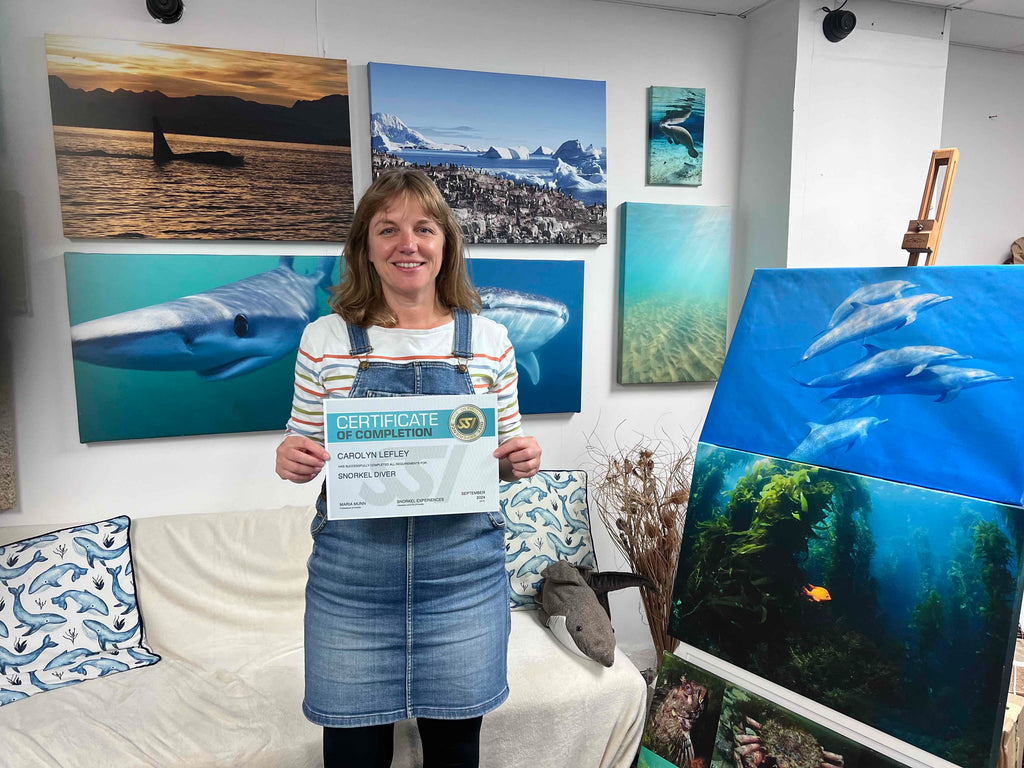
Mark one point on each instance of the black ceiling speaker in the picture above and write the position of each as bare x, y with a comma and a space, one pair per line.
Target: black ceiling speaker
166, 11
838, 24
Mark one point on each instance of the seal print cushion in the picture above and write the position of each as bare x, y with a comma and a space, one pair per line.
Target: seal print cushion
546, 520
67, 609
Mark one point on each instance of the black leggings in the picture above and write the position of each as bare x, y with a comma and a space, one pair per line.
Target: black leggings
446, 744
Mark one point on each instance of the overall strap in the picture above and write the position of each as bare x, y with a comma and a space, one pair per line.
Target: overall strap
463, 334
360, 344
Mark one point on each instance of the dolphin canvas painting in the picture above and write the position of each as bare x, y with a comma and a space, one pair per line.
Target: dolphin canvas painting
675, 136
674, 287
893, 604
540, 303
188, 344
909, 374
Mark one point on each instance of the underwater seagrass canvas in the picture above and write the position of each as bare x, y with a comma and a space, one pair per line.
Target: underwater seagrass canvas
188, 344
910, 374
155, 140
674, 289
683, 717
519, 158
675, 136
540, 303
893, 604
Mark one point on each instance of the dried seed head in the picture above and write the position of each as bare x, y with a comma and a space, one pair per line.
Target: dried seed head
679, 496
649, 529
620, 523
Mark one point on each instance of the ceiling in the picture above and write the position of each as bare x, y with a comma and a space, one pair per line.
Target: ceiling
993, 24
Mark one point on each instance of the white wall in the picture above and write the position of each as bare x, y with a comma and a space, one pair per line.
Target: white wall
867, 115
61, 480
984, 119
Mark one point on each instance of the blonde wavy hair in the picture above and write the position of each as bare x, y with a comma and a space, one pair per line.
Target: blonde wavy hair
359, 297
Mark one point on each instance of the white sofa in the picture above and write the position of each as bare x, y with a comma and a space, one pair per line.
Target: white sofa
221, 598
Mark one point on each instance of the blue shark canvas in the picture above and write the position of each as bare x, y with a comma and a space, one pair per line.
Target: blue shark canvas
188, 344
893, 604
911, 374
519, 158
541, 305
675, 136
674, 288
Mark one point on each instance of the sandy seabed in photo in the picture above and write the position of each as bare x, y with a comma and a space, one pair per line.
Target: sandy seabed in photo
667, 340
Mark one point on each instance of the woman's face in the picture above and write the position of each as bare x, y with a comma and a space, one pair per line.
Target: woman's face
406, 247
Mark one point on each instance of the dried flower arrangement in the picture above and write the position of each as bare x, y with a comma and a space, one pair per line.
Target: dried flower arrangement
640, 493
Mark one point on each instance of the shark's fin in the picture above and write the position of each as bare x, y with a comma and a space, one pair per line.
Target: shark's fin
325, 271
286, 261
234, 368
871, 350
814, 425
610, 581
528, 363
948, 395
917, 369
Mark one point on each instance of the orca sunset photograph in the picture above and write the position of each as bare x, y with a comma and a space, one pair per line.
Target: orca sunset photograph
168, 141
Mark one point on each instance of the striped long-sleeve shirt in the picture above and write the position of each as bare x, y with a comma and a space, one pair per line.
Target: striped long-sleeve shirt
324, 367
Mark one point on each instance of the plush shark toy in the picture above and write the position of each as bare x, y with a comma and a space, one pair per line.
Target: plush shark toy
572, 608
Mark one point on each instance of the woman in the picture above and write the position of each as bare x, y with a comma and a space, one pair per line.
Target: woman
405, 616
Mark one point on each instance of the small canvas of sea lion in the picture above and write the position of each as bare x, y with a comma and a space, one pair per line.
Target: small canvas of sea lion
674, 711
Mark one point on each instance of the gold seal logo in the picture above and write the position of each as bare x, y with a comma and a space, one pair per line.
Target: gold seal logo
467, 423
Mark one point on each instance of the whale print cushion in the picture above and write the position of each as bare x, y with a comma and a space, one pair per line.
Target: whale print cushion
546, 519
67, 609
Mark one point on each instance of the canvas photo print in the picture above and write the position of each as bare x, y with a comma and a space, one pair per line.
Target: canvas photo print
908, 374
520, 159
675, 136
754, 732
155, 140
540, 303
683, 717
188, 344
674, 291
893, 604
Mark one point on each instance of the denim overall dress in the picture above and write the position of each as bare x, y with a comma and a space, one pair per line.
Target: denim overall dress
406, 616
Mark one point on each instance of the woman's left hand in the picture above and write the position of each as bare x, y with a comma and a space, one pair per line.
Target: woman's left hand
518, 457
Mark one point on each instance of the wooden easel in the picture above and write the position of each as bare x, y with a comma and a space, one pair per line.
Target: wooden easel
923, 234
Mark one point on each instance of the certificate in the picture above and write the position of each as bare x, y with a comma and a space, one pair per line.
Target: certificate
404, 456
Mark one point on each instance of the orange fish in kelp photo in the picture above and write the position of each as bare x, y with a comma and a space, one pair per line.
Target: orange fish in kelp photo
816, 594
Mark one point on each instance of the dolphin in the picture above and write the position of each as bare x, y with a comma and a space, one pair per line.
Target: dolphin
825, 437
531, 321
846, 407
220, 333
94, 551
561, 549
34, 678
35, 621
105, 666
869, 319
15, 661
943, 381
125, 599
518, 529
876, 293
51, 576
884, 364
107, 636
68, 657
146, 658
87, 601
162, 152
13, 573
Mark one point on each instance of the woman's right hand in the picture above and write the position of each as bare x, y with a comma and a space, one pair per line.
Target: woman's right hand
300, 459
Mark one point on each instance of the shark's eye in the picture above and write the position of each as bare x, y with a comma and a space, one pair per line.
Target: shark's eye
579, 627
241, 326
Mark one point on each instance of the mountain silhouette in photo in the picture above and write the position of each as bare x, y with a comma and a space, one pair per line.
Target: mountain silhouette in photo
324, 121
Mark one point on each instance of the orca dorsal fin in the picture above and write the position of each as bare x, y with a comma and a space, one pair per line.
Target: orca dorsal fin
161, 151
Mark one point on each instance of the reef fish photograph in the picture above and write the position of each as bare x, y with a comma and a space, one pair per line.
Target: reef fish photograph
540, 303
875, 370
673, 292
188, 344
675, 136
893, 604
155, 140
683, 716
519, 158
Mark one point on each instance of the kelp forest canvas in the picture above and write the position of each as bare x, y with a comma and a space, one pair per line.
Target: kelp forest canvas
893, 604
